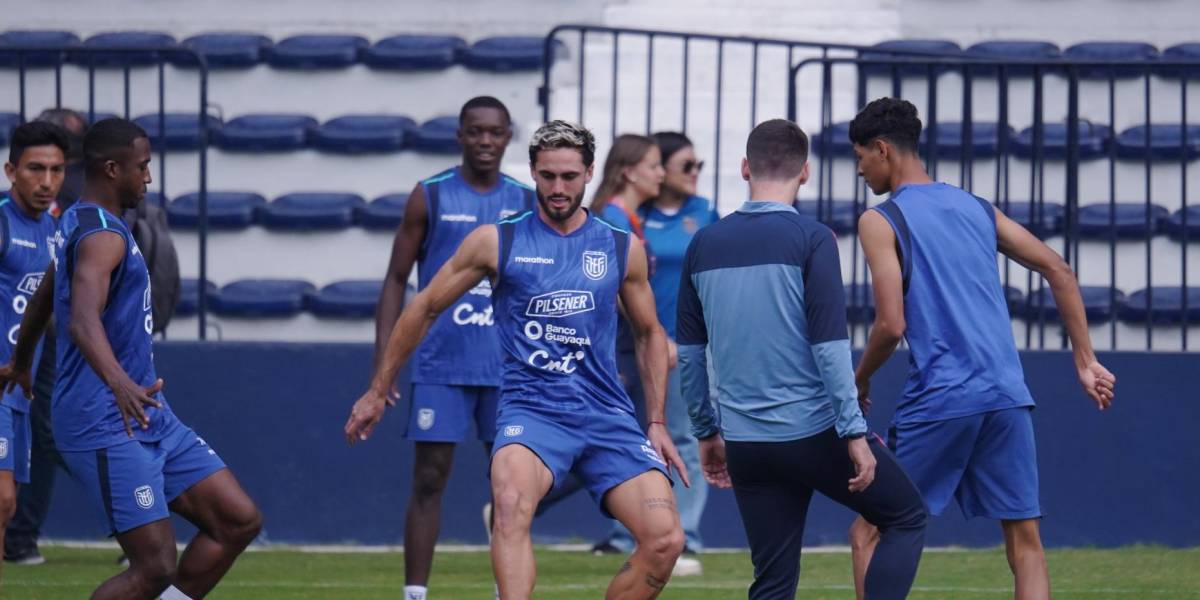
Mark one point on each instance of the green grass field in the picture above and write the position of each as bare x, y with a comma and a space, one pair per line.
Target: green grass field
1134, 572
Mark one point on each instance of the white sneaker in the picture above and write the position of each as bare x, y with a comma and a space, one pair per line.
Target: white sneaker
687, 566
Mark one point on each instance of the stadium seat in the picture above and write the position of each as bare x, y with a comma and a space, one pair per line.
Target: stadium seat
182, 130
860, 303
913, 50
438, 135
414, 52
1189, 52
1111, 52
316, 51
48, 58
310, 210
189, 302
504, 54
262, 297
1093, 141
1027, 215
155, 198
1129, 220
122, 39
1010, 50
1174, 225
8, 122
225, 50
1166, 302
1015, 299
348, 299
837, 136
985, 139
1098, 304
1167, 142
226, 210
840, 217
265, 133
386, 212
358, 134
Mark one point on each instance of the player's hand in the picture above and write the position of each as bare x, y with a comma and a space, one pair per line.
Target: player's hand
365, 415
132, 399
660, 439
1098, 383
11, 377
712, 460
864, 464
393, 395
672, 354
864, 394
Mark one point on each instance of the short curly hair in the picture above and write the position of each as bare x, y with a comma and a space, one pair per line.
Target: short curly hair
563, 134
892, 119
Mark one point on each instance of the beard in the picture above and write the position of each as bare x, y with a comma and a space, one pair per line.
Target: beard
559, 214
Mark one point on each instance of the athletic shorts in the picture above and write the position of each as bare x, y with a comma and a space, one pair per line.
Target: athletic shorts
15, 443
444, 413
603, 450
133, 482
987, 462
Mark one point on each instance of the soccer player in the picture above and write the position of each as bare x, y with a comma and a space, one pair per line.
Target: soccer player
963, 428
116, 432
557, 273
35, 168
762, 290
456, 371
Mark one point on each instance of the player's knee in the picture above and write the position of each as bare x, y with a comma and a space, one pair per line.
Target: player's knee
512, 511
429, 481
244, 526
155, 572
665, 546
8, 504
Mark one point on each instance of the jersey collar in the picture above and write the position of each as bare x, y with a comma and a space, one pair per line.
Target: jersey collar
765, 206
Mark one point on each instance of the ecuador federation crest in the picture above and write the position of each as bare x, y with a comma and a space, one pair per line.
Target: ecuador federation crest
595, 264
144, 496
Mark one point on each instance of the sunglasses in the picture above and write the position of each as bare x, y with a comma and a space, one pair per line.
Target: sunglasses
693, 165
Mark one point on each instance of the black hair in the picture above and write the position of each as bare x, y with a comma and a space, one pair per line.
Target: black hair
892, 119
104, 139
36, 133
484, 102
670, 142
777, 149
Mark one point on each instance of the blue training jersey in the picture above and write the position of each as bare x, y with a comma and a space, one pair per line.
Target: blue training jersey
962, 357
669, 235
556, 307
462, 347
83, 412
25, 250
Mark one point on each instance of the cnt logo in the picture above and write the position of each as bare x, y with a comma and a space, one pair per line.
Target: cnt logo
562, 303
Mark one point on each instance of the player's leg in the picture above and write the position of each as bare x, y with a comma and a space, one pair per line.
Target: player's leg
227, 521
1027, 559
8, 500
151, 552
33, 499
691, 500
519, 481
646, 506
12, 457
863, 538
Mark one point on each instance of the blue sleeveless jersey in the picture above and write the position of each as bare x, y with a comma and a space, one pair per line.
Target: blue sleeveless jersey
83, 412
24, 255
556, 310
462, 347
962, 357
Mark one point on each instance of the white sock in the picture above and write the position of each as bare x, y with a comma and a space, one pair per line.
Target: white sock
173, 593
414, 592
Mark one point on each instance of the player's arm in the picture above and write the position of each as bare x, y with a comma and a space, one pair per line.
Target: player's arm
96, 257
879, 246
1018, 244
475, 259
33, 323
405, 247
650, 345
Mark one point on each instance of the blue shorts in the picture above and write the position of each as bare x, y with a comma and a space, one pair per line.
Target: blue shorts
987, 462
15, 443
133, 482
443, 413
604, 450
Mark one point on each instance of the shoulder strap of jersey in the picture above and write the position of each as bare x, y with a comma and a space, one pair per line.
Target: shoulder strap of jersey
433, 190
621, 241
895, 217
507, 230
5, 230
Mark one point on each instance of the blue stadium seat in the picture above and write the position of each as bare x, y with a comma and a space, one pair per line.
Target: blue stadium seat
122, 39
386, 212
1129, 219
840, 217
506, 53
1010, 50
860, 303
414, 52
262, 297
1165, 142
225, 50
155, 198
1111, 52
48, 58
310, 210
1098, 304
348, 299
226, 210
8, 122
985, 139
1181, 52
189, 301
358, 134
1167, 304
1093, 141
1015, 299
265, 133
438, 135
1027, 215
182, 130
316, 51
915, 50
837, 136
1174, 226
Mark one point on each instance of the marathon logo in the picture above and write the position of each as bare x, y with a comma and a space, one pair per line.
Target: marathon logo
562, 303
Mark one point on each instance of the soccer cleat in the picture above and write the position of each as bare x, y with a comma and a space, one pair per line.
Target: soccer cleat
27, 556
605, 547
687, 566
